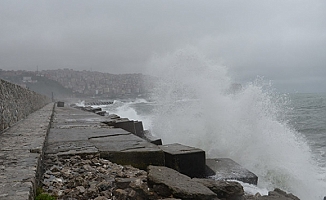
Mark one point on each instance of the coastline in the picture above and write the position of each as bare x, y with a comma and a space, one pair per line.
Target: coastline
92, 163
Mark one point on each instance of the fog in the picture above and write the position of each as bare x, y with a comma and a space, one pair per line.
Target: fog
283, 41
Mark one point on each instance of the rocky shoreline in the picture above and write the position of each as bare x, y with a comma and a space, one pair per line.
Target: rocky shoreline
93, 178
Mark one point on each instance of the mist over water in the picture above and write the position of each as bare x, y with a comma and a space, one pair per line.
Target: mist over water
195, 106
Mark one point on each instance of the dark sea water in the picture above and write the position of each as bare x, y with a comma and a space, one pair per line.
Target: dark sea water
308, 117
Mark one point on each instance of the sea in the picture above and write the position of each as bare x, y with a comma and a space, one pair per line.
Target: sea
281, 137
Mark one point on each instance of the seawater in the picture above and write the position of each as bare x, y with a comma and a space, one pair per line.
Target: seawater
308, 117
279, 137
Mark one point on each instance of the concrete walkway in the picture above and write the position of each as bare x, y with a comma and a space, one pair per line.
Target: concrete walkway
21, 151
76, 132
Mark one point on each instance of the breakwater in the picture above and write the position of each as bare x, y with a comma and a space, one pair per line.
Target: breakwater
17, 102
73, 154
83, 149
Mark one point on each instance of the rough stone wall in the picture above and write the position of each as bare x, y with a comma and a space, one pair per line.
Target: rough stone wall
17, 102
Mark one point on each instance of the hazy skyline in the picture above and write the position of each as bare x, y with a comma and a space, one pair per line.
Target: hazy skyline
281, 40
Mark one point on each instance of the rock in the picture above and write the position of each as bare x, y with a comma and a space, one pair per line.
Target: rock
140, 186
101, 198
92, 190
227, 169
277, 194
123, 183
57, 180
91, 177
58, 192
132, 194
89, 168
120, 194
163, 190
81, 189
107, 194
280, 194
166, 181
170, 199
66, 172
113, 116
55, 169
227, 190
102, 186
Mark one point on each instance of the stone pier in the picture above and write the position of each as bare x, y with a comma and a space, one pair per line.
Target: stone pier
54, 134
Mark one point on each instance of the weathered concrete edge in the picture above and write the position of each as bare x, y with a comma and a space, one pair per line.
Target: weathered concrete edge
39, 171
25, 187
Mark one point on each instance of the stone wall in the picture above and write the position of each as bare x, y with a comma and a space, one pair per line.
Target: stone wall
17, 102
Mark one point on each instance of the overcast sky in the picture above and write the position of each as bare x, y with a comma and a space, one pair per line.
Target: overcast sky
281, 40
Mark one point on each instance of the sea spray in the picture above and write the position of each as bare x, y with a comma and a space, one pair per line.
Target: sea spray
196, 106
127, 109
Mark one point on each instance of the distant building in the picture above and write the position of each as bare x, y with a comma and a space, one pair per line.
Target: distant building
27, 79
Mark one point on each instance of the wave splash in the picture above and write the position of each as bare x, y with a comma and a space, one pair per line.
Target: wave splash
195, 106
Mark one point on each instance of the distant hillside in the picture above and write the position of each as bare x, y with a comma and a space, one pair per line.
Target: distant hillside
39, 84
47, 87
71, 83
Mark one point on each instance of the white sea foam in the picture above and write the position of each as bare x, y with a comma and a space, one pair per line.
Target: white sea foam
126, 110
80, 103
247, 126
252, 189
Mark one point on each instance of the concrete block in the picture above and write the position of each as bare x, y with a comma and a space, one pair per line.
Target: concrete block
139, 129
129, 150
69, 115
140, 159
186, 160
94, 110
91, 109
125, 125
153, 140
150, 138
60, 104
72, 133
135, 127
102, 113
227, 169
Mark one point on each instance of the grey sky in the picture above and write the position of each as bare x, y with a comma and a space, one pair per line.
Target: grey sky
281, 40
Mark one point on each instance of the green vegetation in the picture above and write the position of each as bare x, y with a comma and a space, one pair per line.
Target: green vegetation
44, 196
40, 195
